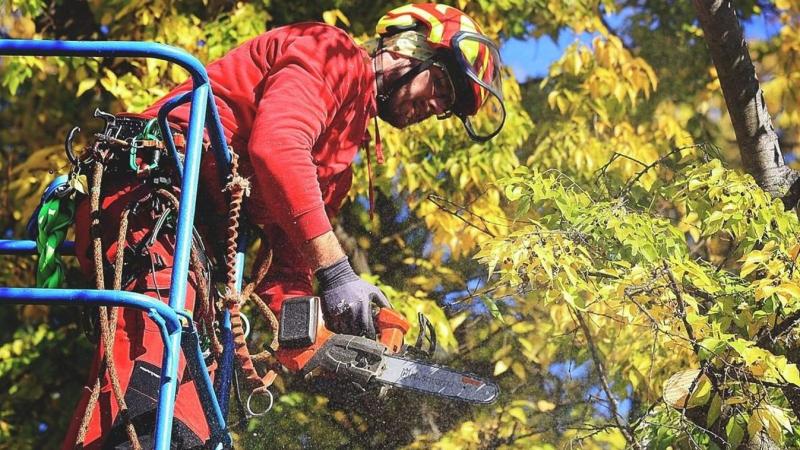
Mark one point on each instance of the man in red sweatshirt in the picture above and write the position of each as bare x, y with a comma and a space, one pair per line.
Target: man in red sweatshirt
295, 104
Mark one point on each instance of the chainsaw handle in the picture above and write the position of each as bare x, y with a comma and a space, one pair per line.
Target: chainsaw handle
391, 327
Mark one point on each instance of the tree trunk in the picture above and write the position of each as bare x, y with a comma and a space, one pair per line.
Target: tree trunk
758, 143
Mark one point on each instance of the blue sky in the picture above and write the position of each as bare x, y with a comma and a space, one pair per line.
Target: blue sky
531, 58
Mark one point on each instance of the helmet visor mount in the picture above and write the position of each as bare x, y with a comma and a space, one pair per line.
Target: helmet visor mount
486, 120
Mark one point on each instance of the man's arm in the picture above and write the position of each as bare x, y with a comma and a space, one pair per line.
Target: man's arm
300, 96
323, 251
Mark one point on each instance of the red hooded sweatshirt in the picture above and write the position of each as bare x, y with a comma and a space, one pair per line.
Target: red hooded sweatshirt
295, 103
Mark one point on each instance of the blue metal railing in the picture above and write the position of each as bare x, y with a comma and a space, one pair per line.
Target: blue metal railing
167, 317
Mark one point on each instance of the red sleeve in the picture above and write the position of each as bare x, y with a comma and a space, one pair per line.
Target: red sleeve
301, 96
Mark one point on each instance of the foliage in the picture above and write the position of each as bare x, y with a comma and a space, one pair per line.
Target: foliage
602, 258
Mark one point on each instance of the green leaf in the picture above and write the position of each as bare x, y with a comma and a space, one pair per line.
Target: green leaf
701, 393
734, 429
714, 410
494, 310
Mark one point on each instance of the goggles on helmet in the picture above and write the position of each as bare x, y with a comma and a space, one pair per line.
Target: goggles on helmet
479, 98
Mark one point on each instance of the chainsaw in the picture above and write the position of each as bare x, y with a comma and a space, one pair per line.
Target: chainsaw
306, 346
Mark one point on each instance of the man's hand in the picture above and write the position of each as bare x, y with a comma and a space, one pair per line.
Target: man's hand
347, 300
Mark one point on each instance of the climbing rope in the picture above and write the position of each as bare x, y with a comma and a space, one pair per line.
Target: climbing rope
108, 319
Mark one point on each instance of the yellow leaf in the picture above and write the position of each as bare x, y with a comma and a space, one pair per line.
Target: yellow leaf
735, 400
676, 389
85, 85
519, 371
791, 289
551, 98
780, 417
523, 327
519, 414
109, 82
329, 17
756, 423
500, 367
545, 406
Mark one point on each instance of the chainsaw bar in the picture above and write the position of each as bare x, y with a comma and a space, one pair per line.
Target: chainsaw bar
366, 361
432, 379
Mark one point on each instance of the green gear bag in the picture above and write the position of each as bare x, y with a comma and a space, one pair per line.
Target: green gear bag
55, 217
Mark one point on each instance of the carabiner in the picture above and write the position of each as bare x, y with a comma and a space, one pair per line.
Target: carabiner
68, 146
250, 398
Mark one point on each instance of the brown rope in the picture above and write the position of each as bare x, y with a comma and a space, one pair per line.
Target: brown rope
108, 320
88, 414
239, 187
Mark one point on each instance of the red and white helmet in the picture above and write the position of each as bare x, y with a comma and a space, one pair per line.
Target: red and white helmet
469, 57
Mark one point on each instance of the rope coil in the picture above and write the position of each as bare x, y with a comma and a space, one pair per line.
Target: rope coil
239, 187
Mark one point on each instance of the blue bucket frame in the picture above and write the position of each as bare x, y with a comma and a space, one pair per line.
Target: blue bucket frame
172, 319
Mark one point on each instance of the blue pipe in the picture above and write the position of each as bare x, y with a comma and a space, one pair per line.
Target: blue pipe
165, 411
186, 209
166, 132
219, 144
222, 382
180, 267
42, 296
19, 247
105, 49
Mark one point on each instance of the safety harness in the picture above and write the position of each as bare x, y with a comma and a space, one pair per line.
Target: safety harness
113, 153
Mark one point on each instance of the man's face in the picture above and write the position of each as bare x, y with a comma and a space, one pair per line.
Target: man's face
429, 93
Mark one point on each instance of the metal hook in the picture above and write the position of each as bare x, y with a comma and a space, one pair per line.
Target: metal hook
250, 397
68, 145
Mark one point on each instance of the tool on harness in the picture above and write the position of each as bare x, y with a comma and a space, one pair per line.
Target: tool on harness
51, 219
305, 345
146, 139
137, 145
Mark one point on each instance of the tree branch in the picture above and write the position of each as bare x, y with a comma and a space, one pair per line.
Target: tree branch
601, 373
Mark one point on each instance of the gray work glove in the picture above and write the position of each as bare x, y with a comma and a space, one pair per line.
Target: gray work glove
347, 300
